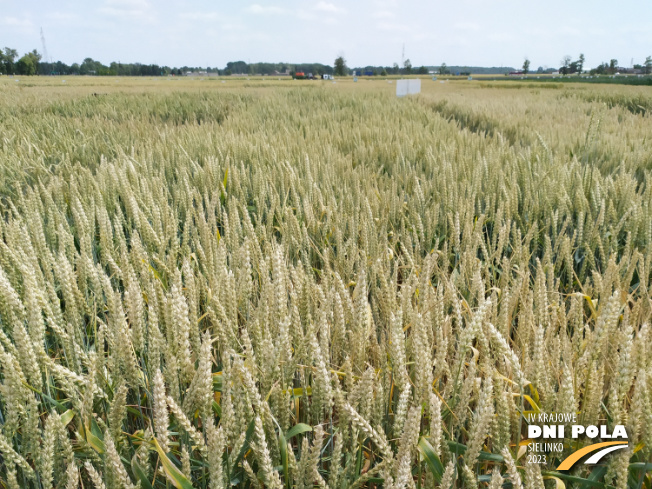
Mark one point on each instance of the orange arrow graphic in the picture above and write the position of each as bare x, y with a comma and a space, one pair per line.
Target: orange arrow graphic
574, 457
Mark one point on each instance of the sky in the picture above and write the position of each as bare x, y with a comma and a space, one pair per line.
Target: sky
366, 32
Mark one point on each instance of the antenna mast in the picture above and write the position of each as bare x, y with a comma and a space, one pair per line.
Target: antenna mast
45, 49
403, 56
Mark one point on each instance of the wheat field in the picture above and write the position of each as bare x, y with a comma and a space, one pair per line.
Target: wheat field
277, 284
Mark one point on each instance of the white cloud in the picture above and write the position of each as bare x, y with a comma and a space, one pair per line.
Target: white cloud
23, 23
127, 9
328, 7
571, 31
383, 14
201, 16
17, 26
385, 4
263, 10
391, 27
501, 37
466, 26
305, 15
128, 4
63, 16
234, 27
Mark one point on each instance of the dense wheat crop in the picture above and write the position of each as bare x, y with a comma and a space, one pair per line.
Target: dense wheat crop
289, 284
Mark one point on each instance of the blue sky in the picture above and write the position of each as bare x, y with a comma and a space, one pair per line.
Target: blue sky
210, 33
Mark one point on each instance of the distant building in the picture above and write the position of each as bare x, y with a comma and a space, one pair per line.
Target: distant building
200, 73
628, 71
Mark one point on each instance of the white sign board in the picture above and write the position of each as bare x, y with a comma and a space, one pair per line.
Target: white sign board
408, 87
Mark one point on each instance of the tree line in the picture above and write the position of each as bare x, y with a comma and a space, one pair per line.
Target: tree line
32, 63
571, 67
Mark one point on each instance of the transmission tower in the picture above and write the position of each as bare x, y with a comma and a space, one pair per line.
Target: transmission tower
45, 49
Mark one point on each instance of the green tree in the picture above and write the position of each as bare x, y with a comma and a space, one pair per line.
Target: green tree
601, 69
407, 66
648, 65
237, 67
92, 67
565, 65
26, 66
8, 60
443, 69
340, 66
580, 63
36, 60
423, 70
383, 73
526, 66
613, 66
